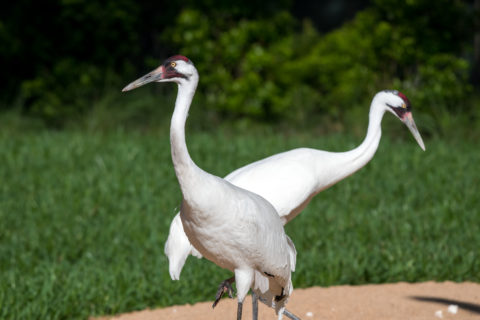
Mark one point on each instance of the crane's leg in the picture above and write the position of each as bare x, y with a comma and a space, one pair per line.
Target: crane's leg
225, 286
244, 280
290, 315
285, 311
239, 310
254, 306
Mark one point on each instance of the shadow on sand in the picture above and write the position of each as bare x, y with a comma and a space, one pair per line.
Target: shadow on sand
475, 308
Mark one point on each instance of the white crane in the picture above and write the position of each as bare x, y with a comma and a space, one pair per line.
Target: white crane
289, 180
236, 229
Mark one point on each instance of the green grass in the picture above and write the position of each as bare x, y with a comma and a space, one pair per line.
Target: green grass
84, 218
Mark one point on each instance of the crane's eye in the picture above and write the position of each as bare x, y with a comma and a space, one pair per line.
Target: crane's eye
173, 64
404, 106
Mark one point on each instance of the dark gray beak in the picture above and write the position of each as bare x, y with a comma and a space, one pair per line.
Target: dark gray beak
152, 76
408, 120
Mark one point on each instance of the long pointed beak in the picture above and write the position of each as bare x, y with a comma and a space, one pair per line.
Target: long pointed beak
408, 120
152, 76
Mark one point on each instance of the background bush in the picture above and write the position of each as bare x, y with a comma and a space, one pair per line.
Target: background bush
256, 61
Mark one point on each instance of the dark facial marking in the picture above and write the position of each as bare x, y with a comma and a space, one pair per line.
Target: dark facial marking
403, 109
400, 111
404, 98
170, 71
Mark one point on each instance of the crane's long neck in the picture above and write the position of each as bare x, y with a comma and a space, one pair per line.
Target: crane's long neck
355, 159
185, 168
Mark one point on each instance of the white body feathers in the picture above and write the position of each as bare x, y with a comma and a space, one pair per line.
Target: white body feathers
230, 226
289, 180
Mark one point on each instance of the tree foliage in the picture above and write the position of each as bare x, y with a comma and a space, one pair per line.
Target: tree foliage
276, 67
254, 60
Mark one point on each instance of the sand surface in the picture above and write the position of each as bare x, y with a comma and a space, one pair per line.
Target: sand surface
402, 301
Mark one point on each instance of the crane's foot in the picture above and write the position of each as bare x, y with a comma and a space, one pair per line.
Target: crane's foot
290, 315
224, 287
287, 313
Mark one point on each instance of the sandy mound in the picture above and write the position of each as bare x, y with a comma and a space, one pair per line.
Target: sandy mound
402, 301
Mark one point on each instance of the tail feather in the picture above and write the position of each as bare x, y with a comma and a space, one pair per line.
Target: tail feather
177, 248
292, 254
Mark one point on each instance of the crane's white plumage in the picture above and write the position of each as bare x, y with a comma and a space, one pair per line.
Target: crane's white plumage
234, 228
178, 248
289, 180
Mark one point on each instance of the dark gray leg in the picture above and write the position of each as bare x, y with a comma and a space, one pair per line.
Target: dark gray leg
239, 311
290, 315
225, 286
254, 306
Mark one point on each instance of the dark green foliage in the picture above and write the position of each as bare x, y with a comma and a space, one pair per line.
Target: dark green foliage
84, 217
238, 62
64, 92
440, 27
255, 60
271, 68
39, 37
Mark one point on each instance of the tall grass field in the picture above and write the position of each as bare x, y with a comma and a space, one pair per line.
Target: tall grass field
84, 218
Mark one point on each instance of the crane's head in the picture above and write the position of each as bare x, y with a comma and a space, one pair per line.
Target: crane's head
398, 104
177, 69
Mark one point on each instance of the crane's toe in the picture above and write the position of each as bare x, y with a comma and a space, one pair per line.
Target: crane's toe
224, 287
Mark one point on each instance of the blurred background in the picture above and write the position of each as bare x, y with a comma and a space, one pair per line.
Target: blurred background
88, 189
300, 62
